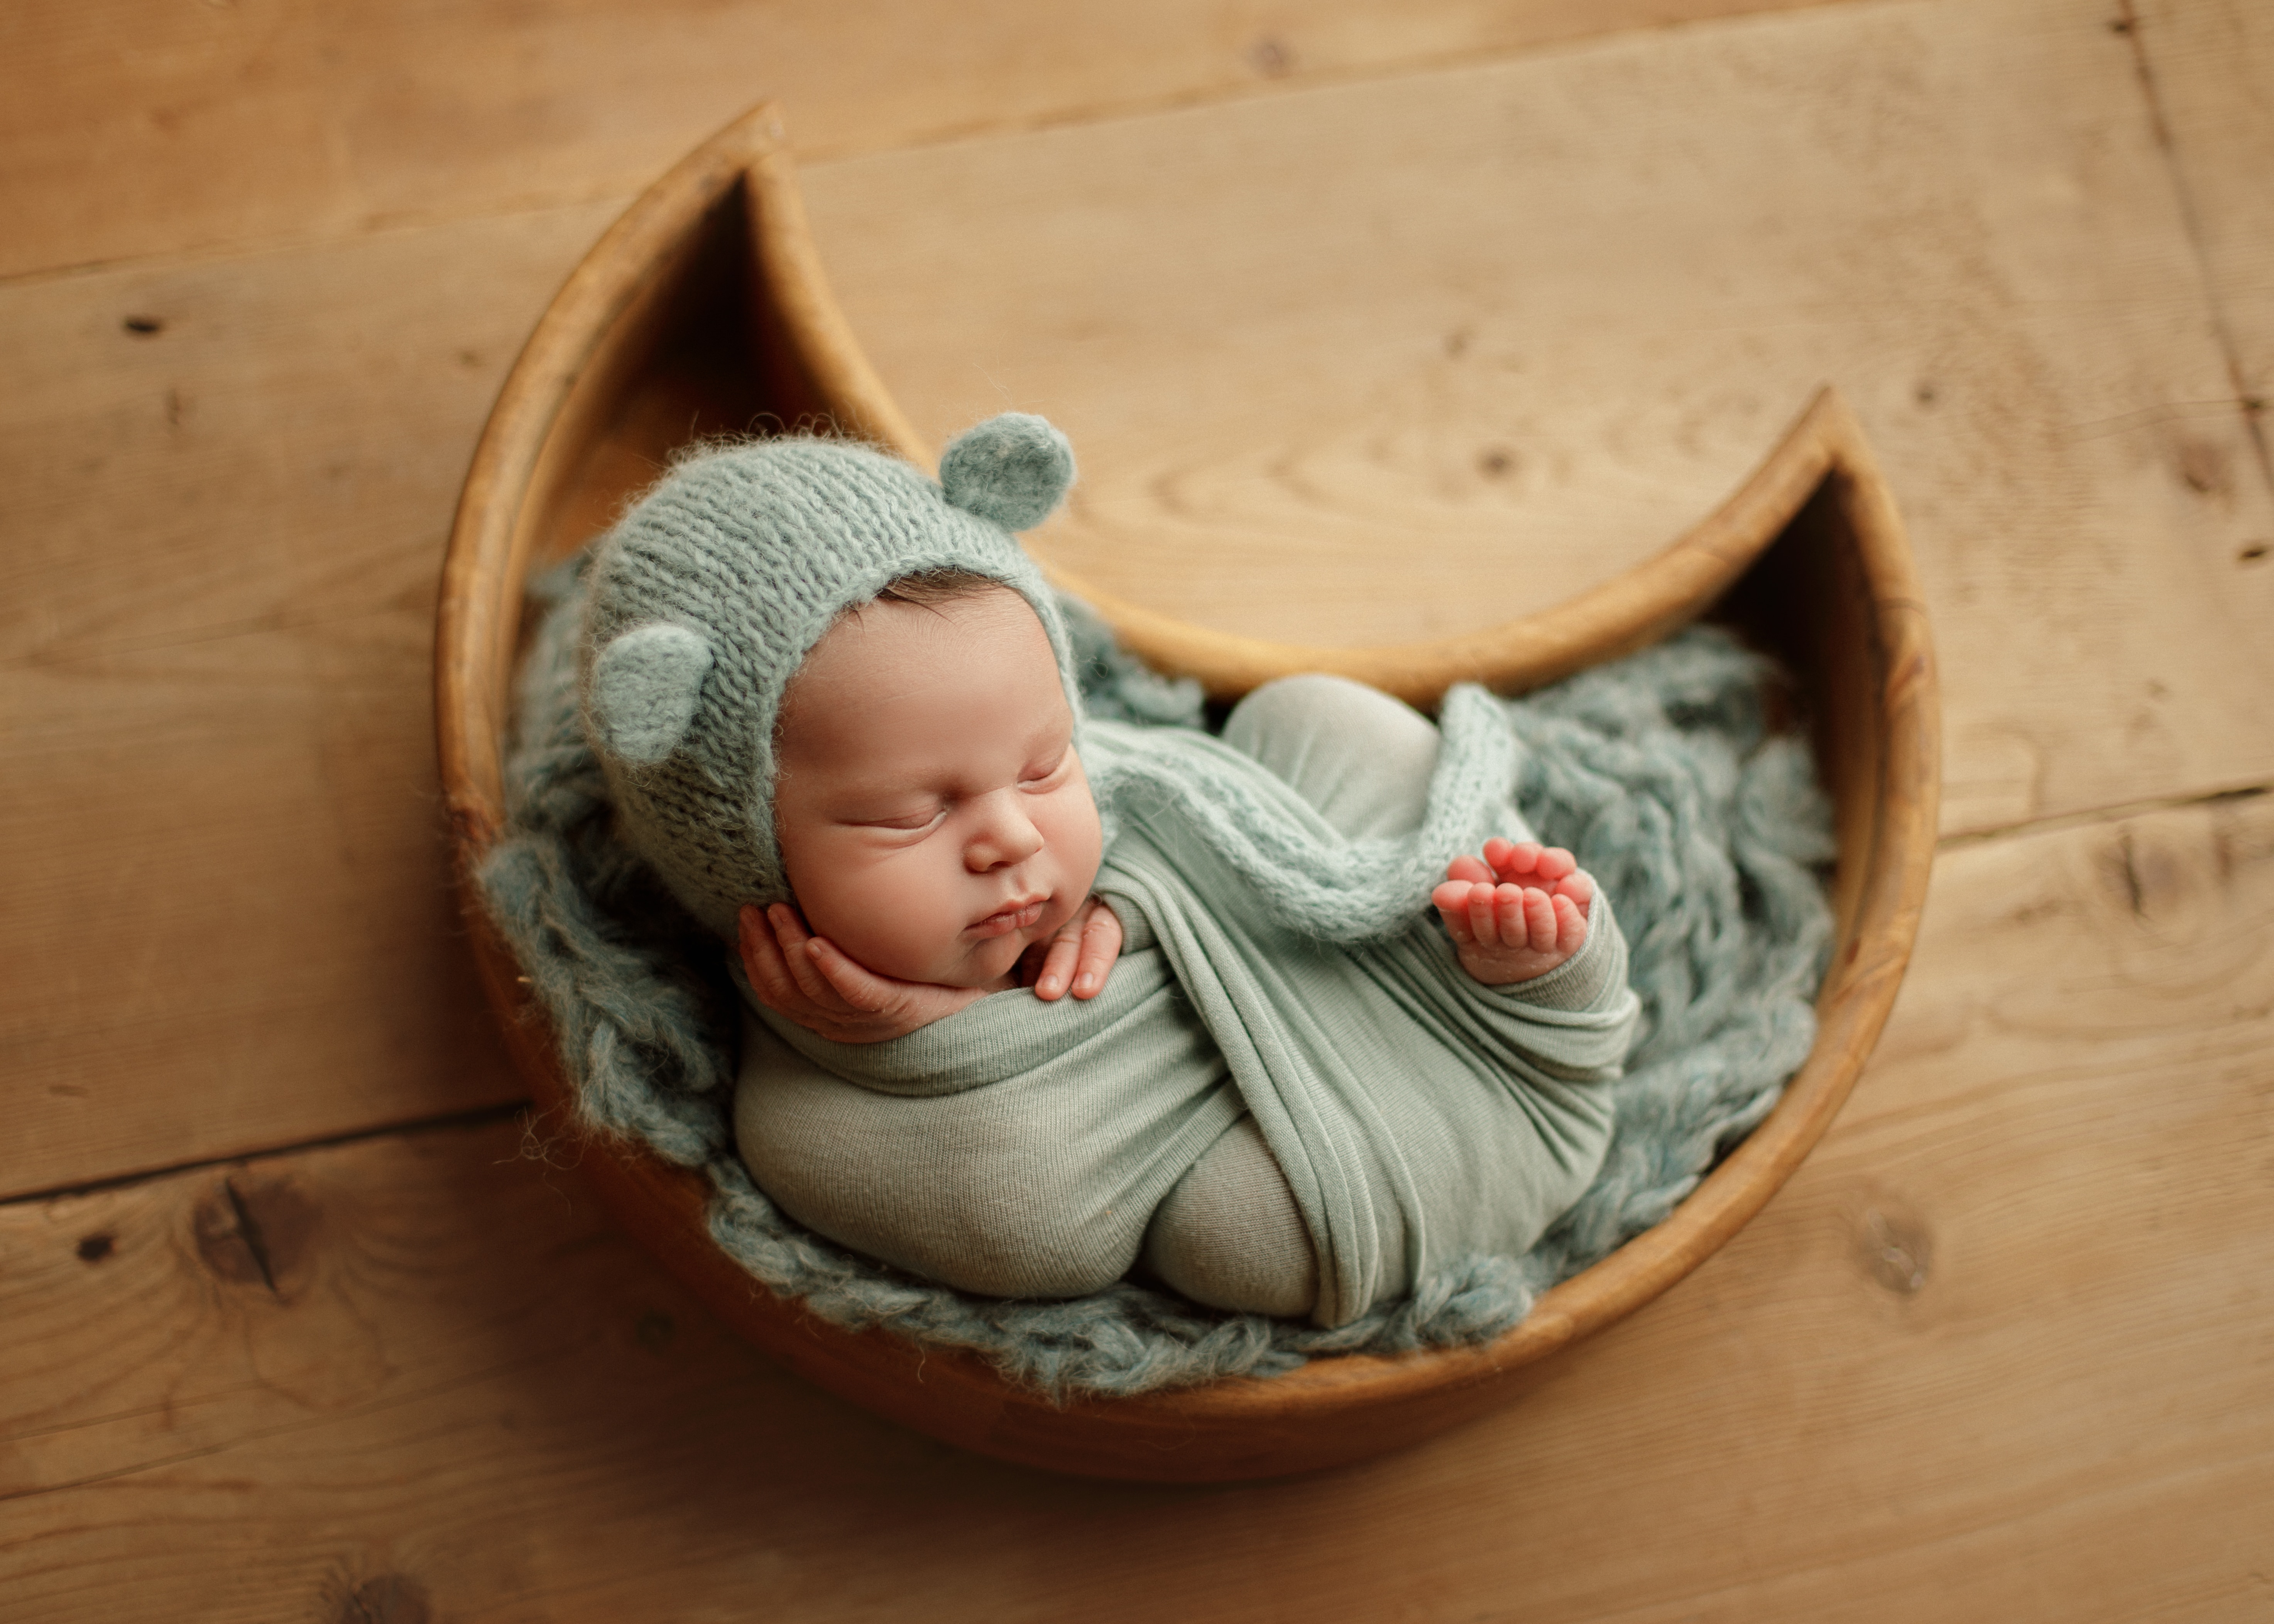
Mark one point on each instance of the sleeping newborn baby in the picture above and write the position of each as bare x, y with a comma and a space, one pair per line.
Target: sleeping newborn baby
838, 714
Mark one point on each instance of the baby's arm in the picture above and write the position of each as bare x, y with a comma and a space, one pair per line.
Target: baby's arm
1519, 917
805, 977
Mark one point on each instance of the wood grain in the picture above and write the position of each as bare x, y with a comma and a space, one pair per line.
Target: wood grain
228, 922
135, 128
1998, 1351
2208, 66
1379, 362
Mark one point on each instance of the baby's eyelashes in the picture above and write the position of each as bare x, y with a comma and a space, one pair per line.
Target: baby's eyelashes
1047, 777
913, 821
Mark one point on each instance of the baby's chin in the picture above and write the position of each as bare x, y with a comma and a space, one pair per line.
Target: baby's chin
992, 962
984, 964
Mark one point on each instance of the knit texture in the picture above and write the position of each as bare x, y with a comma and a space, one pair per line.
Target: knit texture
1658, 771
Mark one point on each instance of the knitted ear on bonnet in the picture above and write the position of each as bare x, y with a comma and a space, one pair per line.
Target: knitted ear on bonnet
707, 595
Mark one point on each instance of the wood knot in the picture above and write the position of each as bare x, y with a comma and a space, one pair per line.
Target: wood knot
1495, 462
391, 1598
95, 1248
1270, 57
256, 1230
1895, 1249
144, 326
2151, 879
2204, 467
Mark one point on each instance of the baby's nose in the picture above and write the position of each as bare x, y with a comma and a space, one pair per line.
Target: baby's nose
1003, 835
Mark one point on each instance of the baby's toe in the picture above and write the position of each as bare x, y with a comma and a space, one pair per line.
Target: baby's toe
1467, 869
1555, 863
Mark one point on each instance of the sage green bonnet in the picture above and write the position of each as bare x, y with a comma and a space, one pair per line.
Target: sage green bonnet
709, 593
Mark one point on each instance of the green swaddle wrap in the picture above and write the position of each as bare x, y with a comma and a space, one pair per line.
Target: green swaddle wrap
1021, 1148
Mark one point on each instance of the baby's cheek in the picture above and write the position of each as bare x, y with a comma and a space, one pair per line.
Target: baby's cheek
1081, 839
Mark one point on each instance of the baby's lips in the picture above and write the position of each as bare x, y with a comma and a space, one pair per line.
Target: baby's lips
1003, 921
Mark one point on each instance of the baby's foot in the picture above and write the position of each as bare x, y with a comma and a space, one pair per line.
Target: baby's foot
1517, 915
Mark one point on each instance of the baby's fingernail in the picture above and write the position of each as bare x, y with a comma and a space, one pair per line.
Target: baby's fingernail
1084, 983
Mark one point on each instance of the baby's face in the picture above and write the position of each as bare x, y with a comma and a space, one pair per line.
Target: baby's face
933, 816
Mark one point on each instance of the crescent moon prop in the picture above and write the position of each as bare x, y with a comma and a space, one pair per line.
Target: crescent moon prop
708, 288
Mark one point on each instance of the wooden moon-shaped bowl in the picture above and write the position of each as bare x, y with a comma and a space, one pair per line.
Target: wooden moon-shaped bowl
705, 310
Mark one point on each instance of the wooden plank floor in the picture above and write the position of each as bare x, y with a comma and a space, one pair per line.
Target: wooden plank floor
1367, 321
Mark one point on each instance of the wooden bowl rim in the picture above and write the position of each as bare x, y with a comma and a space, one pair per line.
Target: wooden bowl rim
489, 553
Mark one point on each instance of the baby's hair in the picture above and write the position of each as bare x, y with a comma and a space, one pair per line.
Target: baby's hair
924, 589
928, 588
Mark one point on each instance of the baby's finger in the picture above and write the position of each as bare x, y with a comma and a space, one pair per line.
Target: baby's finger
1057, 967
1453, 904
1554, 862
1519, 912
1511, 861
858, 987
1484, 924
1468, 869
797, 949
1509, 929
762, 961
789, 929
1100, 946
1540, 921
1570, 933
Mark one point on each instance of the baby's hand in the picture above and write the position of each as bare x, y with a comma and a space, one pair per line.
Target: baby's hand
1084, 948
1518, 918
806, 977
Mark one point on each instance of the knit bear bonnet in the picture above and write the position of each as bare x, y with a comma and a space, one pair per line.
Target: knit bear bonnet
706, 597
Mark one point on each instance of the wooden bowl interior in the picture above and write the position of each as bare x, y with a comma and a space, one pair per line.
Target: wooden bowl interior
692, 364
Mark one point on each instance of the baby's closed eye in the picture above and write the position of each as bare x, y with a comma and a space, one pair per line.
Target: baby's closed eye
910, 820
1049, 774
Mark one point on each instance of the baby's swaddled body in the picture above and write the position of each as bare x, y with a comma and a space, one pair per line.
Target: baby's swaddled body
1270, 1122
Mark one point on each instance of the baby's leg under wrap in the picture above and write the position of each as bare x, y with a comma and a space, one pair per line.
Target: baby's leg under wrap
1361, 757
1230, 1235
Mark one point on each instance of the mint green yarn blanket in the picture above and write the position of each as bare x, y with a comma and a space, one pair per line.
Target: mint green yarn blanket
1658, 771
